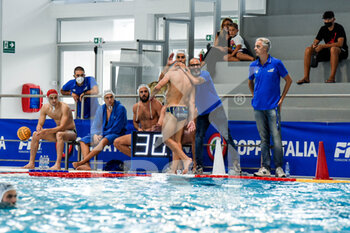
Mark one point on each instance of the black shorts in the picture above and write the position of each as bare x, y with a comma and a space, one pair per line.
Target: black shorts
325, 54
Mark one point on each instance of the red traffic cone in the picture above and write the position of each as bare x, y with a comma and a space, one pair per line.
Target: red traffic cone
321, 167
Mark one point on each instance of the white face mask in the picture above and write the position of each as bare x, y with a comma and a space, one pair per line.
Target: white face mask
79, 80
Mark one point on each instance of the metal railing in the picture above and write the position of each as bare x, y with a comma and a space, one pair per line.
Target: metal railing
163, 96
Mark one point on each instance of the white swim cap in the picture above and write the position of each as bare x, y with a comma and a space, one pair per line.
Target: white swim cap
108, 92
4, 187
141, 86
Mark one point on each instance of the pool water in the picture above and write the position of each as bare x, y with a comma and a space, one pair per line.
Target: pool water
164, 203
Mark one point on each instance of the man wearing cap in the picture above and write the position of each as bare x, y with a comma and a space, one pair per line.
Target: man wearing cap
146, 116
180, 112
64, 130
8, 195
78, 87
334, 49
179, 58
109, 123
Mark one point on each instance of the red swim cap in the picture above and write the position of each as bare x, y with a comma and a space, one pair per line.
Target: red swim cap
51, 91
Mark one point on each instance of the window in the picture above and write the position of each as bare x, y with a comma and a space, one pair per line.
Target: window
87, 30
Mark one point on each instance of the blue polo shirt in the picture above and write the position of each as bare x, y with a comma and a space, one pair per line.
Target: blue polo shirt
267, 82
91, 104
207, 98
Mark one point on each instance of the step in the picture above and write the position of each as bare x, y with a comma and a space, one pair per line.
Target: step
235, 73
283, 7
289, 24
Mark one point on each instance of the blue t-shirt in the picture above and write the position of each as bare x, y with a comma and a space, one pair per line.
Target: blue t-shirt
91, 104
267, 82
207, 98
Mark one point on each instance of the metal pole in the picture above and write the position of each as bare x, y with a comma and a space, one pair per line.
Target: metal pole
241, 12
190, 30
166, 44
217, 16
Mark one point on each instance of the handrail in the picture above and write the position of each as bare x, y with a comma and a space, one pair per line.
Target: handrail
115, 96
290, 95
159, 95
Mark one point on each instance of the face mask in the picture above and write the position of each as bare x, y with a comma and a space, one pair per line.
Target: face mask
79, 80
195, 72
329, 24
110, 107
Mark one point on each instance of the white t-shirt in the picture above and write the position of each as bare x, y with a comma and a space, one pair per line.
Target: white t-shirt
238, 40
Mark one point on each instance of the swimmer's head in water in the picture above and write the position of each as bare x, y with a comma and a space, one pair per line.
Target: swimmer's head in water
8, 195
144, 92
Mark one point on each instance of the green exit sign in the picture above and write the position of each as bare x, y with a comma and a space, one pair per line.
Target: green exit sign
98, 40
208, 37
8, 46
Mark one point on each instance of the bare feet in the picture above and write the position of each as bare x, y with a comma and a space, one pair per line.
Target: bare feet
187, 164
55, 167
84, 167
76, 164
29, 166
330, 81
303, 80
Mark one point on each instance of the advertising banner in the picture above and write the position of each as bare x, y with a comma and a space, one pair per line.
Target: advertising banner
300, 141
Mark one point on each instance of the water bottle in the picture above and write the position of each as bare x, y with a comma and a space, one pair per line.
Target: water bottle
47, 161
41, 162
287, 169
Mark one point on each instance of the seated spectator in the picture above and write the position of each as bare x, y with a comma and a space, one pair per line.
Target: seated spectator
221, 47
109, 123
146, 116
239, 50
8, 195
334, 49
80, 86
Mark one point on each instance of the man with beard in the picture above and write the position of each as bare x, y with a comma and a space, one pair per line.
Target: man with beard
64, 131
210, 111
109, 123
146, 116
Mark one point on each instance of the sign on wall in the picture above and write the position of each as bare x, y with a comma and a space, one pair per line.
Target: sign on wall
9, 46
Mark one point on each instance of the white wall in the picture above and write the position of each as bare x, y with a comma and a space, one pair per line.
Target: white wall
31, 26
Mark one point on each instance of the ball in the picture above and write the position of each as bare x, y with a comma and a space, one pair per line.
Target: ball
24, 133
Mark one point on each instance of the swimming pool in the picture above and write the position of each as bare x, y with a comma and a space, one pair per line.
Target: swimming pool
162, 203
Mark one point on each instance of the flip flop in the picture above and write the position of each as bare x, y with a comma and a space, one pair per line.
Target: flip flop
302, 81
330, 81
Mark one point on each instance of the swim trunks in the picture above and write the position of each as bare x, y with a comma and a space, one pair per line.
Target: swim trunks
180, 112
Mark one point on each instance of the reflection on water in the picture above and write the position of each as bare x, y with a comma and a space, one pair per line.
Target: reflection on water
175, 204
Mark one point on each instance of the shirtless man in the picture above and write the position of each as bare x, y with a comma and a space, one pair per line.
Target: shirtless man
146, 116
180, 111
64, 131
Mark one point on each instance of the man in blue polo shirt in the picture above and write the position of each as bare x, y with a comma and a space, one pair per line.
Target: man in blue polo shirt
80, 86
210, 111
264, 84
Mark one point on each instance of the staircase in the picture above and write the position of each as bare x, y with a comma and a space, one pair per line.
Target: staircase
291, 26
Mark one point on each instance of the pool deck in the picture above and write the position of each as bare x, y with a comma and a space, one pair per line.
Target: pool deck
105, 174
